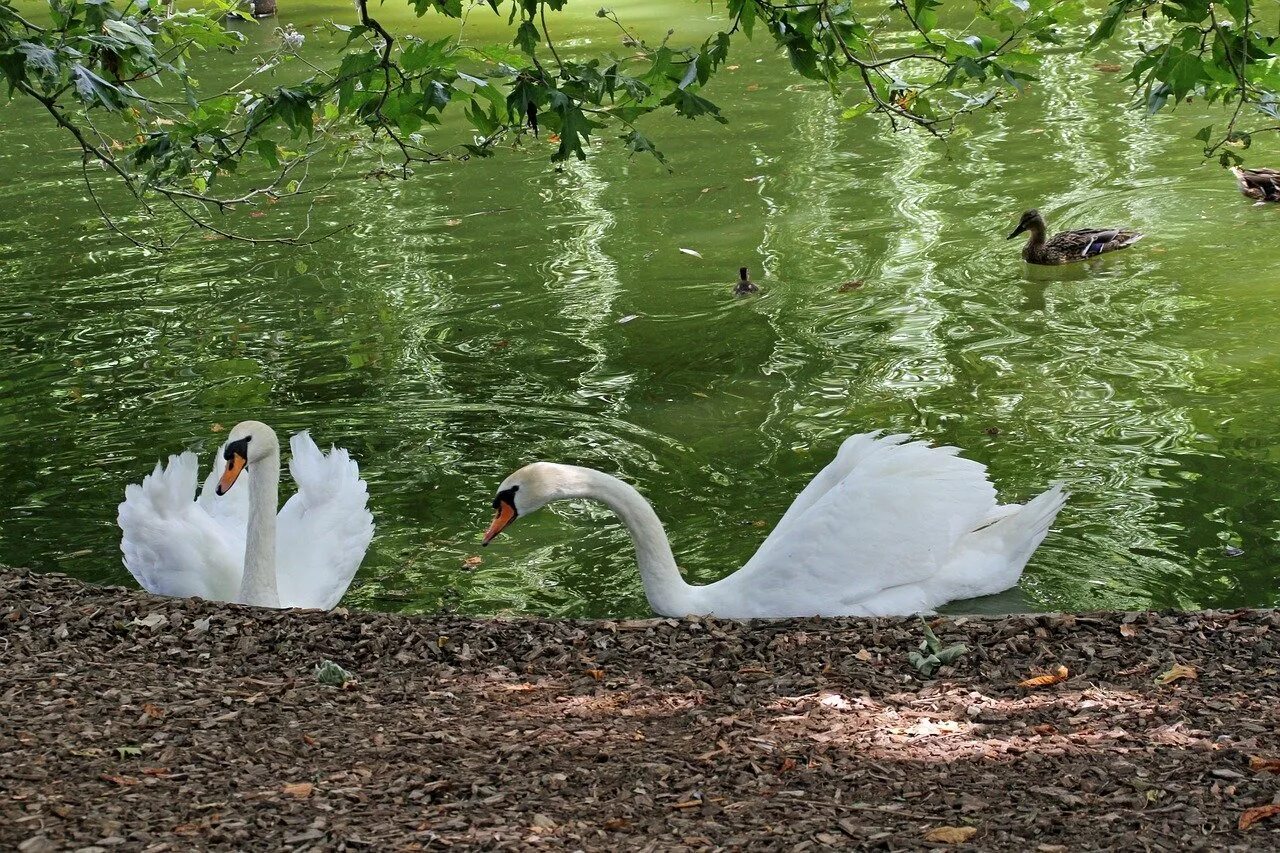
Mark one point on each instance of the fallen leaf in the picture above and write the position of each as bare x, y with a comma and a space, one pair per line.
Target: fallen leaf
298, 790
122, 781
1257, 813
472, 561
1045, 729
850, 286
627, 319
159, 772
753, 87
615, 823
1128, 630
733, 67
217, 428
128, 751
788, 764
951, 834
1045, 680
693, 252
452, 222
150, 621
152, 711
1109, 67
257, 214
863, 655
760, 523
597, 674
553, 138
525, 687
308, 740
1176, 672
1269, 764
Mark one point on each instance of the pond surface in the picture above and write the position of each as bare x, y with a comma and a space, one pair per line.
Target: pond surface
473, 321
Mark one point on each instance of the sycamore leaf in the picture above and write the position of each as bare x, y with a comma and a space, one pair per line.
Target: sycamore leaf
1257, 813
298, 790
951, 834
1177, 672
1045, 680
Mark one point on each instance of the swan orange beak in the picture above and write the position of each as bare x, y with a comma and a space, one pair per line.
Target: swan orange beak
505, 515
234, 467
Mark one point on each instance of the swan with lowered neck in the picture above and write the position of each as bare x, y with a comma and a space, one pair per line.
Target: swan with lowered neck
229, 544
890, 527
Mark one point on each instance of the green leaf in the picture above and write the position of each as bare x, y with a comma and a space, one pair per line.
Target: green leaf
1205, 134
93, 90
638, 143
527, 37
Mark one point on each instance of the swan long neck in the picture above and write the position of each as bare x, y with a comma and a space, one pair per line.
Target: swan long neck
666, 590
258, 583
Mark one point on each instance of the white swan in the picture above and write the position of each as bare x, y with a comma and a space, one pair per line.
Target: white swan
890, 527
229, 545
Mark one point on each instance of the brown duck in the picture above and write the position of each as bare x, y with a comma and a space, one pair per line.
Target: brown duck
1260, 184
745, 286
1068, 247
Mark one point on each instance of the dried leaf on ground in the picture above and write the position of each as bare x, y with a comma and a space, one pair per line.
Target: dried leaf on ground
298, 790
951, 834
694, 252
1257, 813
122, 781
1128, 629
1058, 675
1176, 672
472, 561
851, 285
1257, 762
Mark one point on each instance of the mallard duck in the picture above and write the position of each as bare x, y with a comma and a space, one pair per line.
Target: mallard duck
1261, 184
745, 285
1069, 246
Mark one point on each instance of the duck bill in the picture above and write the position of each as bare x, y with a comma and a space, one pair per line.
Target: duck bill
1016, 232
229, 477
504, 516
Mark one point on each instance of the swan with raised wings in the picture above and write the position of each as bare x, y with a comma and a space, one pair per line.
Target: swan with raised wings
229, 544
890, 527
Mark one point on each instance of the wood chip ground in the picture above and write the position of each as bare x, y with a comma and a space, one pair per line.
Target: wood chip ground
129, 722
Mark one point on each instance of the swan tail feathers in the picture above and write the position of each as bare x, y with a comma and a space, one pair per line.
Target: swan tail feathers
993, 556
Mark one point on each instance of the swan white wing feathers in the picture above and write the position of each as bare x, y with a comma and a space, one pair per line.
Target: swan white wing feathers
870, 535
172, 544
324, 529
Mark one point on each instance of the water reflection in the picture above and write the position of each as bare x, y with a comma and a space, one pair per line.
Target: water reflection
470, 323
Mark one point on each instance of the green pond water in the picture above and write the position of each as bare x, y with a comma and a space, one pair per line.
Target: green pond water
472, 322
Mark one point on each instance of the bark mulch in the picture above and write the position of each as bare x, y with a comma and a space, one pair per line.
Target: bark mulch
129, 722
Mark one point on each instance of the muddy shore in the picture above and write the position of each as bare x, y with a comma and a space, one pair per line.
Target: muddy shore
129, 722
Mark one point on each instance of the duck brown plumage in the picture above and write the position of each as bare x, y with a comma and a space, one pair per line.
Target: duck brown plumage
1260, 184
1067, 247
745, 285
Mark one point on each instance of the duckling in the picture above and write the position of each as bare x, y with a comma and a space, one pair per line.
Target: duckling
1069, 246
745, 285
1260, 184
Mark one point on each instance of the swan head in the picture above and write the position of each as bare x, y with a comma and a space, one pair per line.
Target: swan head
248, 442
530, 489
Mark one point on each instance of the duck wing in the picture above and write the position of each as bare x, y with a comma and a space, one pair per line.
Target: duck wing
1090, 242
1262, 184
886, 513
324, 529
175, 545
